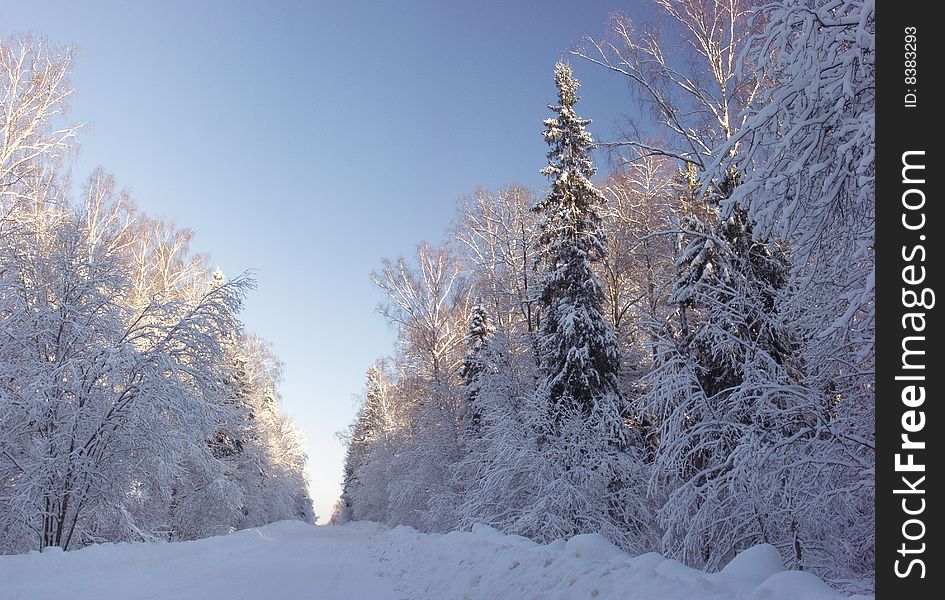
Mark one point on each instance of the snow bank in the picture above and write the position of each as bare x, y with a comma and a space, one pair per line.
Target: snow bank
485, 564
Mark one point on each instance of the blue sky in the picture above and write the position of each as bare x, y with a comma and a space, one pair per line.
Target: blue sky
307, 140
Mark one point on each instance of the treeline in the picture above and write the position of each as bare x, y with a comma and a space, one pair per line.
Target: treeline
681, 357
133, 405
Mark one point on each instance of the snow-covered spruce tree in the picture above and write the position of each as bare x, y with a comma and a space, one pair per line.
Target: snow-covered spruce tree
474, 364
590, 455
726, 388
807, 152
579, 360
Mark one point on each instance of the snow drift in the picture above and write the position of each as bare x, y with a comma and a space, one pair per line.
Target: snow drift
490, 565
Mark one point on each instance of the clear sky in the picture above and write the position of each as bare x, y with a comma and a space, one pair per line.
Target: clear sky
307, 140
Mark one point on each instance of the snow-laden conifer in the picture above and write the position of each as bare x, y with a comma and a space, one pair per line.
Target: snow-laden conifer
578, 348
587, 459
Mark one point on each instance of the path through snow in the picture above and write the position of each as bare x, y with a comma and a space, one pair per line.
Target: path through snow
285, 560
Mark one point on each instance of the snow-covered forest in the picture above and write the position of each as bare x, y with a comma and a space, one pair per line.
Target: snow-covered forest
668, 348
133, 404
676, 354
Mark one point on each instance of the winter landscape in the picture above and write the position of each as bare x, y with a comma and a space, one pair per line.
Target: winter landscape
641, 369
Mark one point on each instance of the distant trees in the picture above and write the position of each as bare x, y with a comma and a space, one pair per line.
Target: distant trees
370, 446
132, 405
261, 449
429, 302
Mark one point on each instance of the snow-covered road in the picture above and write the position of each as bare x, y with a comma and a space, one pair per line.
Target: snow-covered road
285, 560
365, 561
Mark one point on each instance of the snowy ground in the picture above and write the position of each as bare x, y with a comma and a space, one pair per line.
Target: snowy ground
366, 562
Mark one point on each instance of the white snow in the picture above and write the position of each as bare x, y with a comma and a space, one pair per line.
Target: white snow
288, 559
367, 561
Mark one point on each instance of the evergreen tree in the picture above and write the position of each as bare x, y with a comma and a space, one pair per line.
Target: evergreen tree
810, 142
729, 282
474, 363
579, 357
362, 432
479, 329
585, 475
726, 389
